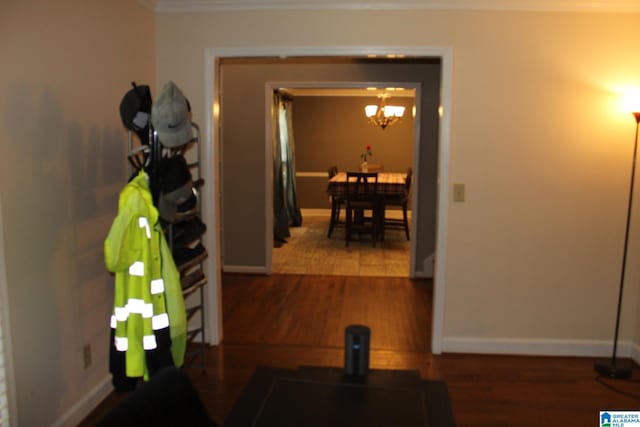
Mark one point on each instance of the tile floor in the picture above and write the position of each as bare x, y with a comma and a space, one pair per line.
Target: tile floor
309, 251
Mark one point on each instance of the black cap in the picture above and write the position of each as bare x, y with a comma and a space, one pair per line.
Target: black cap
176, 187
135, 111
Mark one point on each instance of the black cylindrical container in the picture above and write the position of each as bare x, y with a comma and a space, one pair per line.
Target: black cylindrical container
356, 350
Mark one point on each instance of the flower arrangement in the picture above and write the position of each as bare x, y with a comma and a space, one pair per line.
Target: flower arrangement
367, 152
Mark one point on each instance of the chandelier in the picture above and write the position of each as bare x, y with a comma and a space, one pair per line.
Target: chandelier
383, 115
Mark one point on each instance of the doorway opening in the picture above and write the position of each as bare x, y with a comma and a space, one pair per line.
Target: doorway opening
215, 127
328, 128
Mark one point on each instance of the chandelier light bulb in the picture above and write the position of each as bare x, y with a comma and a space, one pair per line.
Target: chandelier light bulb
384, 115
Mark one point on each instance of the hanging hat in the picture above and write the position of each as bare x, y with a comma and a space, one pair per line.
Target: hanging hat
135, 111
188, 231
176, 186
187, 207
171, 117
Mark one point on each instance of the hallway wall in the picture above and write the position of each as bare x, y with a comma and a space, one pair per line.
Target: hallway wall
66, 66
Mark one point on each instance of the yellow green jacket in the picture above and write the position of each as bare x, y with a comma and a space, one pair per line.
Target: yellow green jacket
148, 296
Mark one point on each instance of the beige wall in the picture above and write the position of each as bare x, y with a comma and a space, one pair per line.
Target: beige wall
65, 67
536, 136
534, 252
333, 130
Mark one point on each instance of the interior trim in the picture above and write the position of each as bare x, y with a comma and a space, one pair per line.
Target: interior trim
211, 208
6, 334
86, 404
538, 347
244, 269
178, 6
311, 175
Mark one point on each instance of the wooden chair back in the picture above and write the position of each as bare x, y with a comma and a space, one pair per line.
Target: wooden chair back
362, 185
409, 178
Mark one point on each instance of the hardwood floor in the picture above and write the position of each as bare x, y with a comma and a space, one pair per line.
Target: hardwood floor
313, 311
288, 321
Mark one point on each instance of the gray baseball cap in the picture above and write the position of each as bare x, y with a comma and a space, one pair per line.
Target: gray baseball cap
171, 117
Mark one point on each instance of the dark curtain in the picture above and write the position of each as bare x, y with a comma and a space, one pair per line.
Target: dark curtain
285, 201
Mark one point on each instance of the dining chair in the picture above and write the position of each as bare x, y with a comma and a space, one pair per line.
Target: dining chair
401, 201
336, 203
362, 197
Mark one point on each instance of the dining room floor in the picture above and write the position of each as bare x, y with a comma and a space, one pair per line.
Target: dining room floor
309, 251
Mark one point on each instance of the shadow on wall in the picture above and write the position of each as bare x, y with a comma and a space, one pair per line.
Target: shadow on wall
56, 190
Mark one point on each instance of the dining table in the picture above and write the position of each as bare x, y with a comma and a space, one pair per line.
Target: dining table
389, 184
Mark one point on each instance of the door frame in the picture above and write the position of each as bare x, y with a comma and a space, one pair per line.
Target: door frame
6, 334
212, 165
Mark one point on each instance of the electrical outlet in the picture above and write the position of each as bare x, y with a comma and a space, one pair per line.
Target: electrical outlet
86, 355
458, 192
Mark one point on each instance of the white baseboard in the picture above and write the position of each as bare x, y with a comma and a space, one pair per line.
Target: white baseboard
635, 353
244, 269
429, 265
539, 347
84, 406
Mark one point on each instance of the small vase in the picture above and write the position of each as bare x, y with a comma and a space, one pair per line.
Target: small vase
364, 167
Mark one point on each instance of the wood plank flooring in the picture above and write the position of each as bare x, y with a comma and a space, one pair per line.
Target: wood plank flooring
287, 321
315, 310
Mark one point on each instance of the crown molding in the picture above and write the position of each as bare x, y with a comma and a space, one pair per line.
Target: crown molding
175, 6
151, 5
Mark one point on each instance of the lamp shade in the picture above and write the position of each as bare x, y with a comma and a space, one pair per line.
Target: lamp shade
393, 111
631, 101
383, 115
371, 110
